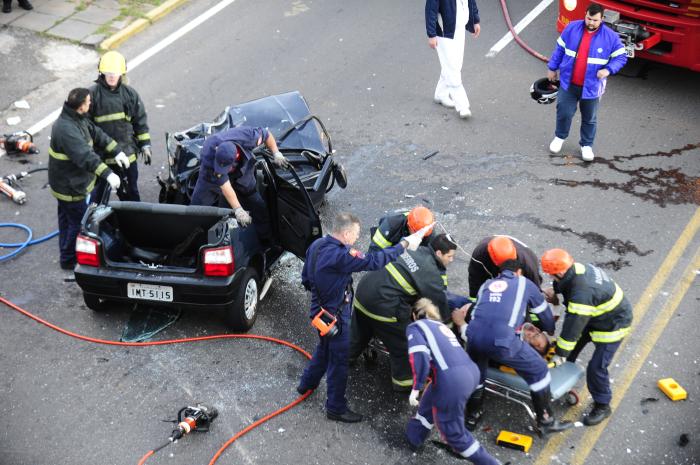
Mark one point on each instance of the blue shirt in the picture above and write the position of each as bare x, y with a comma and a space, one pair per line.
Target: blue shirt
502, 303
242, 174
328, 270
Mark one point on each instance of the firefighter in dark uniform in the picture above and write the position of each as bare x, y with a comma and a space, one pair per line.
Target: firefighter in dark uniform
327, 273
227, 168
383, 300
118, 110
393, 227
74, 166
596, 310
435, 352
499, 312
489, 253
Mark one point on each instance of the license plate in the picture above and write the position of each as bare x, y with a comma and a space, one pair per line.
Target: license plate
149, 292
629, 50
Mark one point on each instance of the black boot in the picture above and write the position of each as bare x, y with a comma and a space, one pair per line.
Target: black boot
348, 417
598, 413
546, 423
25, 4
7, 6
475, 409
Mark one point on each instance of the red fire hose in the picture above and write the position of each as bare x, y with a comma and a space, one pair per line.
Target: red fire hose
517, 38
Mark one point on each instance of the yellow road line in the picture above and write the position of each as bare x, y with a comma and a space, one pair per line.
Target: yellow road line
640, 309
591, 436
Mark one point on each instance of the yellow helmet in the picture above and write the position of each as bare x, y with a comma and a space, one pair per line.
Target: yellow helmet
112, 62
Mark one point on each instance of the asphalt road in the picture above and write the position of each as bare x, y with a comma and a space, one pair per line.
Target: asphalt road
369, 74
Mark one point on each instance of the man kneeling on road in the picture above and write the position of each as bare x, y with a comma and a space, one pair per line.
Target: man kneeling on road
228, 168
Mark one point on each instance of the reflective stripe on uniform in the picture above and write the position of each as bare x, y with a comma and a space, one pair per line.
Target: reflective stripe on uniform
100, 169
588, 310
515, 311
111, 146
110, 117
609, 336
471, 450
540, 308
402, 382
57, 155
598, 61
561, 42
74, 198
112, 161
565, 345
400, 279
541, 384
444, 280
369, 314
418, 348
619, 51
432, 343
423, 421
144, 136
579, 268
380, 240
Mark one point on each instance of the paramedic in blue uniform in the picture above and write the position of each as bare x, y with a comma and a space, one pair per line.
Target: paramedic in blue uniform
227, 169
327, 274
492, 334
435, 352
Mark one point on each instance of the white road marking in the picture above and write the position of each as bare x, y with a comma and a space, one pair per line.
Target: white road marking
505, 40
141, 58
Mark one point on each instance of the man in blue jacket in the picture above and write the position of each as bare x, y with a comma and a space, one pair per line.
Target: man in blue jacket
587, 52
445, 23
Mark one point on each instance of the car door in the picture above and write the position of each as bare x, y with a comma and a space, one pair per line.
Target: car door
295, 220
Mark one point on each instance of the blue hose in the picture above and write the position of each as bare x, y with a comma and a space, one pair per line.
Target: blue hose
22, 245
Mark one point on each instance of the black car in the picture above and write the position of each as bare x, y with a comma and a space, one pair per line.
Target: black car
197, 256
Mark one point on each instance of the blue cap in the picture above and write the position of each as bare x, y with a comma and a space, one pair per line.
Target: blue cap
223, 157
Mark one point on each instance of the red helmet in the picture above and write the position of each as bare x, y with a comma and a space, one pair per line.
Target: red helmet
555, 261
501, 249
420, 217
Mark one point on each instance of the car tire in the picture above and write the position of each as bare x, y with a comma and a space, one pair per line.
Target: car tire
241, 314
93, 302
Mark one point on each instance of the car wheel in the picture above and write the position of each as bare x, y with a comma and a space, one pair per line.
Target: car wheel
241, 315
93, 302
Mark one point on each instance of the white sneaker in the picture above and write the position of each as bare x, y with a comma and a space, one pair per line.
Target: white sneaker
445, 101
556, 145
464, 112
587, 153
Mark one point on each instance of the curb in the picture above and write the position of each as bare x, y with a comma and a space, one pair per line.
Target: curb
140, 24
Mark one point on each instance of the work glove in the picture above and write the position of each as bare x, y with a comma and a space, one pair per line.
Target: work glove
146, 154
557, 360
413, 398
242, 216
114, 181
122, 160
279, 160
416, 238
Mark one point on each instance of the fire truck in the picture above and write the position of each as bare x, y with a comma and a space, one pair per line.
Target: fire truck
665, 31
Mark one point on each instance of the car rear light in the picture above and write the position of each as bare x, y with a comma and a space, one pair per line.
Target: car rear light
87, 251
218, 261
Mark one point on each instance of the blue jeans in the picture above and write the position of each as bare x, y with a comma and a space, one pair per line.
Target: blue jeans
566, 108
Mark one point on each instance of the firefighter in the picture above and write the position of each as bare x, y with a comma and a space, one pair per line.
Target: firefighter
118, 110
327, 274
488, 255
227, 169
382, 305
393, 227
596, 311
73, 167
499, 312
434, 351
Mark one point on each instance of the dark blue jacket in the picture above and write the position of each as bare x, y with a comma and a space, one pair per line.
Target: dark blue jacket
242, 173
328, 270
447, 9
502, 304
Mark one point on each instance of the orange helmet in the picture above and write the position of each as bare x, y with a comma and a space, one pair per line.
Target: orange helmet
556, 261
501, 249
420, 217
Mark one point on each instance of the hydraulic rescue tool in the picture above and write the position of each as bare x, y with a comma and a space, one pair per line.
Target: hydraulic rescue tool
16, 195
19, 142
190, 419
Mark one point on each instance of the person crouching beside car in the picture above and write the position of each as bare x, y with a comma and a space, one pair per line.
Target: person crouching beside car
228, 169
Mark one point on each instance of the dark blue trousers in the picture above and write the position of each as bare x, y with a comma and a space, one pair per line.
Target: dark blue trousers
331, 358
597, 378
69, 216
130, 191
443, 405
566, 107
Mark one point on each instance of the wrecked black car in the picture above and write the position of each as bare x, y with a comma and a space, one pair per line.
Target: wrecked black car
192, 256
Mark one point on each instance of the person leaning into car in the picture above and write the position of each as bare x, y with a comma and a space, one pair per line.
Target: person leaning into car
228, 169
